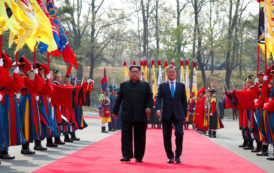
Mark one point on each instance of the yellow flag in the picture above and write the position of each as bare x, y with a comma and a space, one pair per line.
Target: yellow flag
3, 26
187, 81
44, 31
126, 73
154, 88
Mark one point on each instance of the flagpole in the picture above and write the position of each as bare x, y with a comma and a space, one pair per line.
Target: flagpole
34, 58
1, 41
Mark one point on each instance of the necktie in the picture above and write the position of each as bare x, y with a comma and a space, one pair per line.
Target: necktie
172, 89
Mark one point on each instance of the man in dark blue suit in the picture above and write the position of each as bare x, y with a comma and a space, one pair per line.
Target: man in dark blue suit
171, 97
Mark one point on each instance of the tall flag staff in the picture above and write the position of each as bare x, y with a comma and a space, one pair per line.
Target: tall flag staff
173, 61
166, 64
159, 72
194, 85
145, 69
187, 79
154, 88
182, 79
142, 68
126, 71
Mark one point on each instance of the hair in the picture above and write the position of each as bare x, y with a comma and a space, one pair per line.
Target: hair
170, 66
134, 66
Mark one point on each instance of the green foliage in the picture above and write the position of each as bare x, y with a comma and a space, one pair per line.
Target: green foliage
171, 38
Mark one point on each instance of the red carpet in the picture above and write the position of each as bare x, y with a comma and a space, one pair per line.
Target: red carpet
199, 155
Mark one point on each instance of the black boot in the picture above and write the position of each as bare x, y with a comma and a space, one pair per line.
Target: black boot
214, 134
5, 155
271, 157
264, 151
67, 139
26, 150
73, 136
245, 144
38, 146
104, 130
50, 143
250, 145
210, 133
58, 141
258, 148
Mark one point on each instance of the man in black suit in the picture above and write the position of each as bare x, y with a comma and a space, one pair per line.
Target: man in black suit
137, 101
171, 97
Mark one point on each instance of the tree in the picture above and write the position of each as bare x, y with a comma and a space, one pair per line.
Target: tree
232, 42
77, 24
197, 34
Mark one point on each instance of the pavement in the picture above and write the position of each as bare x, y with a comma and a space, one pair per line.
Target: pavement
229, 138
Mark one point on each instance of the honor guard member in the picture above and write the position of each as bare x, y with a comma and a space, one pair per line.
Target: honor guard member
29, 110
49, 126
213, 121
105, 110
57, 77
10, 123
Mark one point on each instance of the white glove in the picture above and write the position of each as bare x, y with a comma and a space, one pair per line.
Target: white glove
49, 100
256, 100
211, 114
90, 81
16, 70
1, 62
257, 80
1, 97
35, 71
265, 77
18, 96
48, 76
37, 98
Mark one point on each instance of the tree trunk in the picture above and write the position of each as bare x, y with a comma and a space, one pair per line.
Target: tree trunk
178, 24
231, 28
92, 40
211, 38
157, 28
227, 78
80, 70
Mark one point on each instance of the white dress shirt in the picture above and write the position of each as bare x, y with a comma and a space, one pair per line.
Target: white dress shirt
174, 83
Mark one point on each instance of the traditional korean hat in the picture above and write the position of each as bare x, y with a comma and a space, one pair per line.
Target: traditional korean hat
7, 60
24, 62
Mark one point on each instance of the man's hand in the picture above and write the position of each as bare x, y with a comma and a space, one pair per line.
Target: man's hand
158, 112
148, 111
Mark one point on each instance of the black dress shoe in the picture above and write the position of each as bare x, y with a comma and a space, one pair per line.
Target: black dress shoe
178, 160
256, 150
262, 154
59, 142
68, 140
170, 160
249, 148
7, 156
270, 158
139, 160
125, 159
52, 145
28, 152
74, 138
40, 148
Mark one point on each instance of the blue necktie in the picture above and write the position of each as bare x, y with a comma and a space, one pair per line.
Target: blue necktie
172, 90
